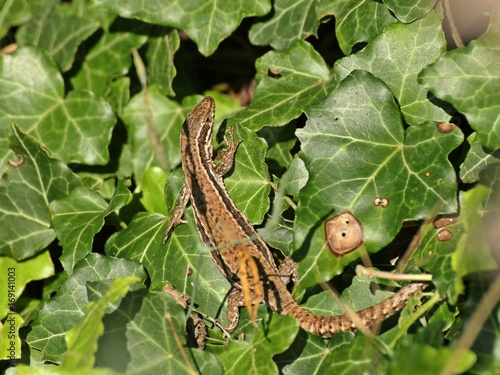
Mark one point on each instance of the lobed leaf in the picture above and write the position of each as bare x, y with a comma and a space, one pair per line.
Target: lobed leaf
356, 150
64, 311
56, 34
409, 10
78, 217
356, 21
207, 23
289, 22
289, 81
29, 185
397, 56
76, 128
469, 79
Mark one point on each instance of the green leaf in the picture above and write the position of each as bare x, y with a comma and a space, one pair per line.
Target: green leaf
119, 95
356, 150
28, 186
473, 253
280, 142
15, 275
153, 336
278, 232
289, 81
163, 43
435, 255
64, 311
183, 261
271, 338
74, 129
152, 185
56, 34
409, 10
206, 23
160, 115
468, 79
356, 21
340, 355
289, 22
476, 159
249, 183
13, 12
109, 58
420, 358
81, 340
79, 216
386, 57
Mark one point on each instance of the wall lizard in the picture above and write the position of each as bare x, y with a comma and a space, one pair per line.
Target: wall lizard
223, 227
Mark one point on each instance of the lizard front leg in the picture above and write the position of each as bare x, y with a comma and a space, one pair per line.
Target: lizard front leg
227, 159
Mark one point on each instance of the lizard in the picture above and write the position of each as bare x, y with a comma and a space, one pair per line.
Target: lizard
225, 229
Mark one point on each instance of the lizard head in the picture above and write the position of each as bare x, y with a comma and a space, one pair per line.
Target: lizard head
199, 121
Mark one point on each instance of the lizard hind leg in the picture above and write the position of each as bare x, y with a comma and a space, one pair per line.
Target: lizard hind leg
287, 271
236, 299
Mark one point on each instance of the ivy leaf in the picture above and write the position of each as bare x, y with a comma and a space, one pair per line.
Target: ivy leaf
291, 21
152, 189
13, 12
27, 189
166, 118
67, 308
79, 216
289, 81
409, 10
183, 261
352, 145
272, 337
58, 35
356, 21
473, 253
249, 183
207, 24
385, 58
468, 79
74, 129
435, 255
153, 336
109, 58
476, 159
81, 340
432, 360
36, 268
339, 355
162, 44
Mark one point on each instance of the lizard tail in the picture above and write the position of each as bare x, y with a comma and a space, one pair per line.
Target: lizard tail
325, 326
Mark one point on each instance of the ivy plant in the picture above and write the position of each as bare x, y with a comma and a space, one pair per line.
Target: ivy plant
354, 106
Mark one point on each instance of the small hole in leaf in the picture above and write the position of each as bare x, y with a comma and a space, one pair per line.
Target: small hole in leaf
273, 73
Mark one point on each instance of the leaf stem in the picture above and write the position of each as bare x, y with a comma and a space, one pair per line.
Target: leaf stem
451, 21
370, 272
